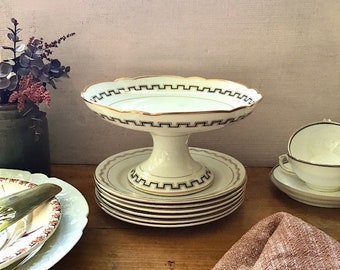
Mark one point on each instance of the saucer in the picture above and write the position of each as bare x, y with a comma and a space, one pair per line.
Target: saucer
111, 176
295, 188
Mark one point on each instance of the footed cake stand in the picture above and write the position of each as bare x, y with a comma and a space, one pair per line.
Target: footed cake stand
171, 108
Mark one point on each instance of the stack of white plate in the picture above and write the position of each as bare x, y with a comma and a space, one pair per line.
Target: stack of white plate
117, 197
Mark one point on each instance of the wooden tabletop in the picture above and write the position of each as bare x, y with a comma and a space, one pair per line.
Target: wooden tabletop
108, 243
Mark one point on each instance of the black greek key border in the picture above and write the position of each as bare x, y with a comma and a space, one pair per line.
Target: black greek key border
140, 123
177, 87
136, 179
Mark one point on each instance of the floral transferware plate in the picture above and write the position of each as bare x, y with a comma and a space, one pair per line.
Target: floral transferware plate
295, 188
73, 221
32, 231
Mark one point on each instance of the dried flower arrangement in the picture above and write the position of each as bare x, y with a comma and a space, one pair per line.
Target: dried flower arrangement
25, 76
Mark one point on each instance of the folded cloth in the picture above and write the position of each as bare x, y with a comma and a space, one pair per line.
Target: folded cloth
282, 241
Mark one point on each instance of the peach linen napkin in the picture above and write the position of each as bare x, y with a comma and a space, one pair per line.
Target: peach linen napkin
282, 241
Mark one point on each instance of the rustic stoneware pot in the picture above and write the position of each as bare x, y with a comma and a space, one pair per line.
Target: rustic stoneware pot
24, 139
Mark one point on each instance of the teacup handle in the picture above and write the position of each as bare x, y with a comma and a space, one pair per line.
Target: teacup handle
283, 160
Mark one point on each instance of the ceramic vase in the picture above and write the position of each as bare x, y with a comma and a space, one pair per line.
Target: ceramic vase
24, 139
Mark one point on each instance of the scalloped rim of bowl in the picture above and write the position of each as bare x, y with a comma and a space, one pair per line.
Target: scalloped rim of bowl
260, 96
325, 122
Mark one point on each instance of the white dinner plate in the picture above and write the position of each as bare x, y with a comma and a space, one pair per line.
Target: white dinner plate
144, 212
111, 175
73, 220
174, 209
161, 223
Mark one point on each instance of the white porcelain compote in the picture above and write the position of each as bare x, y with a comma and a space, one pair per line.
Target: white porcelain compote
170, 108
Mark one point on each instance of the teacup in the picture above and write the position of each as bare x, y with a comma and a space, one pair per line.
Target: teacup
316, 176
314, 155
